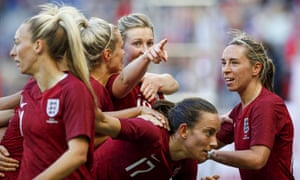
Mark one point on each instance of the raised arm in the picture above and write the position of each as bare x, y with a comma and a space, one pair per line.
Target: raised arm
132, 74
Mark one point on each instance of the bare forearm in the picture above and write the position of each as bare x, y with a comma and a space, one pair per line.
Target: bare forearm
245, 159
107, 125
125, 113
168, 84
66, 164
5, 116
130, 76
11, 101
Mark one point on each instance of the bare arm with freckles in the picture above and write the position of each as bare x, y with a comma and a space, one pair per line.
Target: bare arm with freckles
134, 71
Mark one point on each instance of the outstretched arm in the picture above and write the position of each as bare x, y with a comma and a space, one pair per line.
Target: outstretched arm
254, 158
111, 126
106, 125
103, 120
134, 112
5, 116
11, 101
132, 74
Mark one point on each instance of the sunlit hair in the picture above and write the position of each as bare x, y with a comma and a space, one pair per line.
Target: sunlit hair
256, 53
57, 26
188, 111
97, 35
134, 20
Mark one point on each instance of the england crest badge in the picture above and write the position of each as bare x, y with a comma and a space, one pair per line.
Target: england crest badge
52, 110
246, 128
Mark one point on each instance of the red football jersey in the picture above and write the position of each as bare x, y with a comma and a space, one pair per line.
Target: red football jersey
50, 119
141, 151
265, 121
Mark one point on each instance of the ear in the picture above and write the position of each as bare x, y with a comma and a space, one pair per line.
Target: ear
107, 54
256, 68
183, 130
38, 46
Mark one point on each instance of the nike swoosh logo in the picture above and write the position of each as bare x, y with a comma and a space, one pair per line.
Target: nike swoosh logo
23, 104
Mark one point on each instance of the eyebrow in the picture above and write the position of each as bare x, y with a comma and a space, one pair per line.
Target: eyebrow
211, 129
230, 59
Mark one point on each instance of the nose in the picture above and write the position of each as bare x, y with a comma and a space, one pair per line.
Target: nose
226, 67
214, 142
12, 52
144, 48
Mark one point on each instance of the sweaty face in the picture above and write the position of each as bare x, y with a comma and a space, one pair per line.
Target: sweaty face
202, 137
23, 50
236, 68
137, 41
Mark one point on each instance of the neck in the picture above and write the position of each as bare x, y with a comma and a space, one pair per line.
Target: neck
100, 74
46, 80
250, 94
176, 149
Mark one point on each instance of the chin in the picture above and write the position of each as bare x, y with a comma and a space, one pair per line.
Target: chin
231, 89
201, 160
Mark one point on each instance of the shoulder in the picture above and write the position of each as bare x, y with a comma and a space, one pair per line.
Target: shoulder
267, 95
30, 83
268, 99
139, 128
113, 77
72, 83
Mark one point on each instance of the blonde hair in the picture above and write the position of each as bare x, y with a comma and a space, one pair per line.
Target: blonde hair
58, 28
256, 53
97, 35
134, 20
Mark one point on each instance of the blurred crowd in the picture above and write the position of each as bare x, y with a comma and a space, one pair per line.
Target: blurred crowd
196, 30
197, 33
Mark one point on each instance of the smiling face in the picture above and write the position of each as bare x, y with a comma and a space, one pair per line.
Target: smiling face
23, 50
236, 68
202, 137
136, 42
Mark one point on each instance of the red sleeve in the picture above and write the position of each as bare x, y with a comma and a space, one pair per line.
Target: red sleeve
226, 133
264, 124
78, 112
